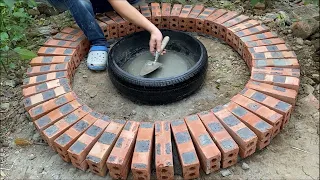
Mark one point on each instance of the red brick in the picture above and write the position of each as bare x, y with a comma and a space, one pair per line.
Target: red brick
202, 17
281, 63
191, 21
270, 55
44, 108
263, 42
73, 31
230, 23
111, 28
119, 160
277, 105
69, 37
57, 51
228, 147
273, 118
81, 147
165, 15
142, 155
187, 153
230, 36
246, 139
217, 24
277, 71
38, 70
138, 28
59, 127
99, 153
32, 90
34, 100
145, 11
183, 17
282, 81
156, 14
163, 151
35, 80
62, 43
65, 140
47, 60
174, 17
284, 94
270, 48
208, 152
255, 37
55, 115
262, 129
122, 24
208, 23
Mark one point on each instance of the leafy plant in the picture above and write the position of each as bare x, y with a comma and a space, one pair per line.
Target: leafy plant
14, 22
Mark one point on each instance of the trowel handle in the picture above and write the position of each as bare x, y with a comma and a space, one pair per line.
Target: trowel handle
164, 43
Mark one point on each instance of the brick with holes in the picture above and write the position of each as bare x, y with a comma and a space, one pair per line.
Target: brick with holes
138, 28
262, 36
53, 116
57, 51
163, 151
104, 28
119, 160
284, 94
174, 16
208, 23
277, 71
273, 118
44, 108
187, 153
59, 127
228, 147
99, 153
262, 129
145, 11
142, 155
209, 154
45, 69
231, 23
281, 63
122, 24
230, 39
156, 14
282, 81
65, 140
111, 28
202, 17
246, 139
191, 21
217, 24
34, 100
47, 60
277, 105
32, 90
165, 15
35, 80
183, 17
81, 147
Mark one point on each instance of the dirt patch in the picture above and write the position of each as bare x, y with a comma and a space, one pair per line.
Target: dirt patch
222, 82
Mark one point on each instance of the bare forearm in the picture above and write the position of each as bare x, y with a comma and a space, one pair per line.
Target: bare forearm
132, 14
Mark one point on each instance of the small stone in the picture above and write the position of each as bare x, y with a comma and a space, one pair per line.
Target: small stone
5, 106
92, 93
40, 170
307, 42
260, 6
307, 88
245, 166
304, 28
21, 111
300, 41
56, 176
32, 157
315, 78
225, 172
11, 83
17, 152
36, 137
134, 112
33, 12
218, 81
84, 76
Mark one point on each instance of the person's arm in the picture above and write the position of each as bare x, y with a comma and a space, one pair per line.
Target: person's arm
133, 15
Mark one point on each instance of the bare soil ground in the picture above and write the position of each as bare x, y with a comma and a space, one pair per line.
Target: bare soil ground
293, 154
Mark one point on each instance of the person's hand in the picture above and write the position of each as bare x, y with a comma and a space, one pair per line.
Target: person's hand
155, 41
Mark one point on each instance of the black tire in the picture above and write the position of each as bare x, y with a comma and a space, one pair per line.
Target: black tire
157, 90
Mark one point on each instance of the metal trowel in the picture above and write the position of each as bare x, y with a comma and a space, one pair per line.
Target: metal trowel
151, 66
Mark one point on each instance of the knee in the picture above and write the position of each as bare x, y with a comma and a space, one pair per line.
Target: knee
86, 3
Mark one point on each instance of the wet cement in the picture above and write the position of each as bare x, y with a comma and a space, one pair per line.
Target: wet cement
173, 64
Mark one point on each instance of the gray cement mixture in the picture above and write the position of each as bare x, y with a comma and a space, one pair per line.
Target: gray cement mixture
173, 64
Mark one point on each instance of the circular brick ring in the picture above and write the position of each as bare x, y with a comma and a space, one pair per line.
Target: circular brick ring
210, 140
